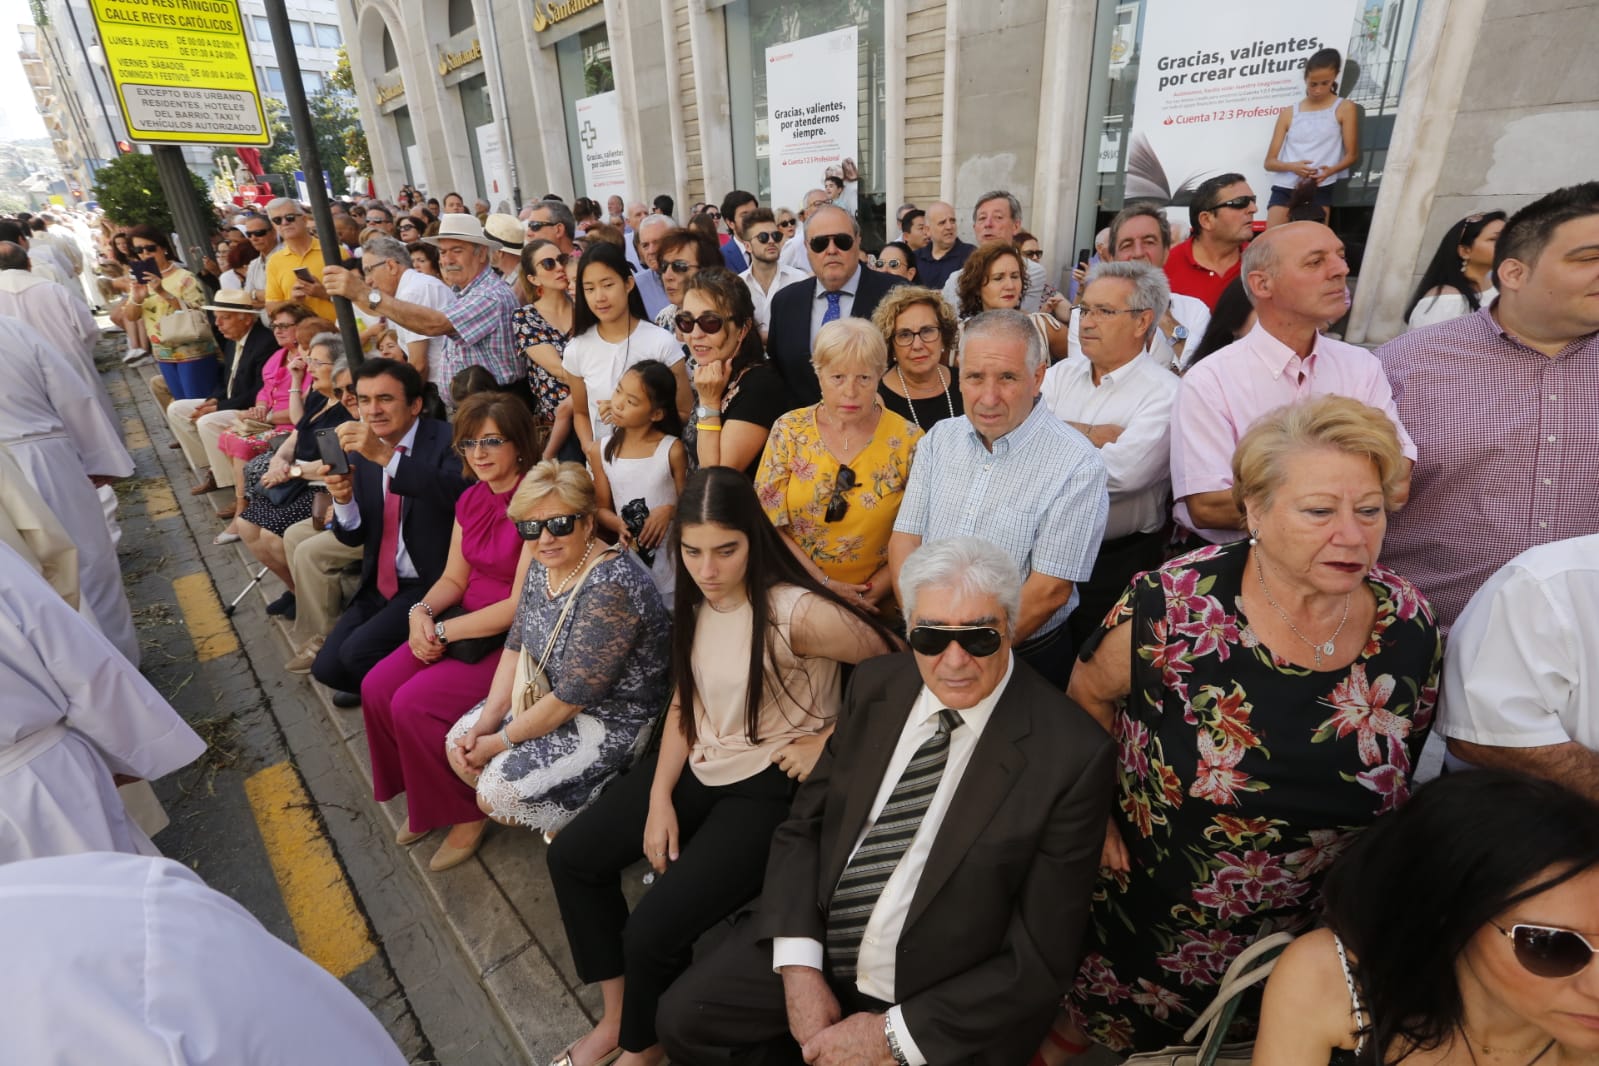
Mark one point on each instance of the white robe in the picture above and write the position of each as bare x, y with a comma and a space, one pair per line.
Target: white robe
134, 961
63, 321
59, 437
32, 529
73, 713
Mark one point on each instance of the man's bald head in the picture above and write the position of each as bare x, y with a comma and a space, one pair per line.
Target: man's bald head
13, 256
1296, 273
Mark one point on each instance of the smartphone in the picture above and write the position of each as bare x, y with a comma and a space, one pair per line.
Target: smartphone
305, 275
327, 443
139, 270
1082, 258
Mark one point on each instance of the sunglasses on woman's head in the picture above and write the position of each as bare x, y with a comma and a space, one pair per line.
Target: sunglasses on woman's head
710, 322
842, 241
788, 223
1548, 951
559, 526
977, 641
838, 506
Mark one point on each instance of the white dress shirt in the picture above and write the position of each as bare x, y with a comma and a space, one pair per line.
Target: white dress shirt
1521, 668
786, 275
874, 965
794, 253
845, 303
349, 514
1138, 397
428, 291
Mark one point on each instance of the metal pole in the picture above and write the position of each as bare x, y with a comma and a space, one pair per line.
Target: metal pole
194, 229
311, 164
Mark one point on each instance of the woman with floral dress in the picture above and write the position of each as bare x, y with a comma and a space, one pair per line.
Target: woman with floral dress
543, 325
1269, 698
833, 475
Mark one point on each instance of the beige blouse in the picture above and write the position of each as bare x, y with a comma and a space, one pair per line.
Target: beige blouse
800, 695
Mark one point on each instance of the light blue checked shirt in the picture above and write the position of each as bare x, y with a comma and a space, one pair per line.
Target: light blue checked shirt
1039, 495
482, 332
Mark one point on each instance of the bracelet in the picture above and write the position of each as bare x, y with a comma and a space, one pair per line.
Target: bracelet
423, 604
706, 427
505, 737
293, 392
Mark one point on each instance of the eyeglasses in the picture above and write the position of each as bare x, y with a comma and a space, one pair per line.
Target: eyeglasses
284, 220
977, 641
339, 391
1546, 951
145, 247
368, 268
1237, 203
408, 224
788, 223
1091, 311
842, 241
468, 445
904, 338
680, 266
837, 505
710, 322
318, 362
278, 327
1036, 255
257, 234
890, 264
559, 526
766, 236
549, 263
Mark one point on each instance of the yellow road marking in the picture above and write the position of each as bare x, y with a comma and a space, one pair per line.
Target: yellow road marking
209, 628
133, 434
330, 930
159, 501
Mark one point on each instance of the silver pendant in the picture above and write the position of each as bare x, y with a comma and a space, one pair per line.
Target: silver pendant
1328, 648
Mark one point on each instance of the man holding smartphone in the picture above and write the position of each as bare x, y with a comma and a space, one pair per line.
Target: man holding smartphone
299, 251
397, 503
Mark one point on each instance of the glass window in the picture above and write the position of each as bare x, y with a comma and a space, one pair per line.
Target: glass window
478, 110
328, 36
391, 59
301, 32
407, 135
312, 80
754, 26
584, 62
460, 16
263, 28
274, 79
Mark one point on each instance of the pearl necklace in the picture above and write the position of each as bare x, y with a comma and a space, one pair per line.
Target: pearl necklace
567, 580
911, 403
1331, 644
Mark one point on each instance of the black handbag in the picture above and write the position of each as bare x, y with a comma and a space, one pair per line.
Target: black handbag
470, 649
286, 493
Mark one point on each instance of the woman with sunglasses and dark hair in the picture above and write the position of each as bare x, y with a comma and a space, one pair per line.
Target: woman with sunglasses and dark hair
160, 287
609, 334
739, 395
543, 324
1459, 280
757, 644
680, 254
1460, 931
409, 229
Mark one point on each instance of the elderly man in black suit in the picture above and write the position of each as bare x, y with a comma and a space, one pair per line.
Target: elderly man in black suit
925, 902
398, 504
841, 286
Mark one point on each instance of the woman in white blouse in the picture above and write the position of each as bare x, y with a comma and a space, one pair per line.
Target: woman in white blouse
1459, 280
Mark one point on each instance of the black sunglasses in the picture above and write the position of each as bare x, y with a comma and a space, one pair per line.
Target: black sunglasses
145, 247
406, 223
710, 322
1546, 951
1237, 203
257, 233
284, 220
977, 641
788, 223
766, 237
559, 526
842, 241
837, 505
680, 266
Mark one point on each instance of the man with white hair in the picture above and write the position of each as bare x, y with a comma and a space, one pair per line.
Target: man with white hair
298, 250
636, 213
386, 265
794, 251
934, 854
1012, 473
998, 217
651, 289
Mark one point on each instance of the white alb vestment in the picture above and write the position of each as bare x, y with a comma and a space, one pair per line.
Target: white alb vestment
134, 961
60, 436
62, 320
34, 532
72, 713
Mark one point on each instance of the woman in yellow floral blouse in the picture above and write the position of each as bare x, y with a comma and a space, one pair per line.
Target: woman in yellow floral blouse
832, 476
161, 287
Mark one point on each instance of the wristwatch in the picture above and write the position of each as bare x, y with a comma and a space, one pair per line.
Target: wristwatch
893, 1041
374, 298
295, 471
438, 631
703, 411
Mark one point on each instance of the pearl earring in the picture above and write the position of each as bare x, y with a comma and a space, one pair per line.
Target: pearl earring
1254, 537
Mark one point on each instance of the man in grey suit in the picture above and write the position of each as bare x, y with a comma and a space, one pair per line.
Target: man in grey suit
925, 902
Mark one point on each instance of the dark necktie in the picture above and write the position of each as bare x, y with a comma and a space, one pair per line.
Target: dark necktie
833, 312
389, 542
874, 861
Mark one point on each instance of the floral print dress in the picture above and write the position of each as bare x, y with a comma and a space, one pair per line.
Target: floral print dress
1241, 779
531, 331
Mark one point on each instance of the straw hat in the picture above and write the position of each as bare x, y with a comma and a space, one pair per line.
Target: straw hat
235, 300
505, 230
460, 228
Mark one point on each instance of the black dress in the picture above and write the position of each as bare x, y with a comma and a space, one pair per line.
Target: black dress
277, 517
923, 414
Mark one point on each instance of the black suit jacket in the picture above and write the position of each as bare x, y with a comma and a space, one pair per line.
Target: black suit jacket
428, 481
993, 936
788, 340
250, 356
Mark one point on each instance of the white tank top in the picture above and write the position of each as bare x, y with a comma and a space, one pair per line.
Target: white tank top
1316, 136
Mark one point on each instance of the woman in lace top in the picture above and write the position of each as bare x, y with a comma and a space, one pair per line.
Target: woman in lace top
1461, 931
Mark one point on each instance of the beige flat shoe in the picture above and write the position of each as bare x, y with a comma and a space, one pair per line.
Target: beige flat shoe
448, 856
405, 838
302, 660
565, 1057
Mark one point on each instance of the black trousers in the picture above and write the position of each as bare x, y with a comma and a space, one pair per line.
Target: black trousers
729, 1007
365, 633
1050, 653
724, 834
1118, 561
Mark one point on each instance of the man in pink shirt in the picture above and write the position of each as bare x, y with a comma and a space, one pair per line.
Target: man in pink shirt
1295, 276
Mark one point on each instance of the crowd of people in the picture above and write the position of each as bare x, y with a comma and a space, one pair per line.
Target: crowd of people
1002, 661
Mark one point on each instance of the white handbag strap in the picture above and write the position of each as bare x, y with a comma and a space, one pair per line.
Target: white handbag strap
1236, 981
566, 609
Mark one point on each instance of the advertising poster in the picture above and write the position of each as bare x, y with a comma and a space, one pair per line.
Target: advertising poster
1209, 88
812, 86
495, 175
599, 133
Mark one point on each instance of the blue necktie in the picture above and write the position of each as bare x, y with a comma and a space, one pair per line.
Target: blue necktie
833, 313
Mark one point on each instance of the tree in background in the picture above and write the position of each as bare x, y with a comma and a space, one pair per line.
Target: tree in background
129, 191
356, 152
333, 120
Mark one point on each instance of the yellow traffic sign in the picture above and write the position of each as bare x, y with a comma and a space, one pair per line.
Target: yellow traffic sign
182, 71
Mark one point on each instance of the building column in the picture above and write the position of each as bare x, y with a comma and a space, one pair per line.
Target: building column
713, 104
894, 33
1062, 119
548, 120
678, 190
639, 59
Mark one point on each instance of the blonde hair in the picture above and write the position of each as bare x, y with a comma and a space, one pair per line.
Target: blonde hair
1335, 422
568, 482
852, 341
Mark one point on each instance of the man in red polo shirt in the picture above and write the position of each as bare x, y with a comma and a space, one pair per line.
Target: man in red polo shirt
1220, 213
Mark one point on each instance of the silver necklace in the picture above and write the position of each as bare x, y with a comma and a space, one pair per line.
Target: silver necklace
938, 370
1331, 644
567, 579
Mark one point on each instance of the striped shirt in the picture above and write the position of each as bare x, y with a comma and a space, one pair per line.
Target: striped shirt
1508, 443
1040, 496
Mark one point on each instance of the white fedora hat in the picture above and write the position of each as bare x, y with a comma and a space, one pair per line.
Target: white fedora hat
460, 228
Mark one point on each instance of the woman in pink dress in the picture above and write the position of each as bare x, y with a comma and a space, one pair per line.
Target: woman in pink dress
412, 698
